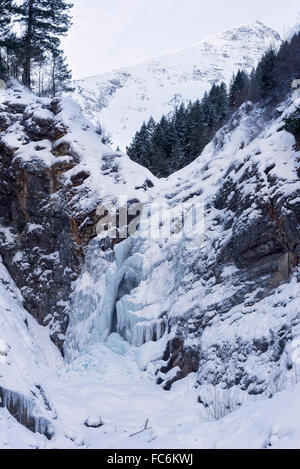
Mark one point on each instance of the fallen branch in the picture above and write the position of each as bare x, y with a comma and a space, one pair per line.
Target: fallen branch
144, 429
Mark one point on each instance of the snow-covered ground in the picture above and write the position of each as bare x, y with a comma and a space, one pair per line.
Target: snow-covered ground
106, 385
103, 384
122, 99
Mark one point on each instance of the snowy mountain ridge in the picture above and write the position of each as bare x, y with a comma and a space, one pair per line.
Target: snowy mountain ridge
122, 99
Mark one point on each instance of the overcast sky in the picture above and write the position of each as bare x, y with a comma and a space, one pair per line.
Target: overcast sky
109, 34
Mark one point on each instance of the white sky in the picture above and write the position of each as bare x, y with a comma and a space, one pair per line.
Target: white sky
110, 34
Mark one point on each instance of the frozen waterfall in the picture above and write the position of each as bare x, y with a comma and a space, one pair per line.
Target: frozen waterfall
110, 297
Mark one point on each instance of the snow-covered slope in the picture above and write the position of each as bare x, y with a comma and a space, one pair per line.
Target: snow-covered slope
26, 357
122, 99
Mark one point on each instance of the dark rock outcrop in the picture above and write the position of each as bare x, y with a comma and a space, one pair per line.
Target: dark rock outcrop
25, 411
256, 213
41, 239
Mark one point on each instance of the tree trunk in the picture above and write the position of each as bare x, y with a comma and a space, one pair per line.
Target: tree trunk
28, 47
53, 91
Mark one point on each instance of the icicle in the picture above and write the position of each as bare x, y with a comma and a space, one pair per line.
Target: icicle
25, 411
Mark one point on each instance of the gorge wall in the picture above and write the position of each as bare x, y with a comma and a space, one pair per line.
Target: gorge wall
225, 309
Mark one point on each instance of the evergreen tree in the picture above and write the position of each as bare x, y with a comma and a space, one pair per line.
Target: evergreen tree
161, 148
266, 75
6, 11
61, 75
179, 121
150, 127
144, 153
45, 21
287, 66
294, 57
176, 144
253, 92
284, 67
239, 87
223, 102
198, 130
205, 103
140, 148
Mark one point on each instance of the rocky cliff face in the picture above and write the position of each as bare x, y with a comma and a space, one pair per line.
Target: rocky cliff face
251, 247
45, 221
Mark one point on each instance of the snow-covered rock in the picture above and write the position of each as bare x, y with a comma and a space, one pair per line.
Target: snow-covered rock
55, 172
26, 356
122, 99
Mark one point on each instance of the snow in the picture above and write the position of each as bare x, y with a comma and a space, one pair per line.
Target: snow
118, 396
15, 436
124, 98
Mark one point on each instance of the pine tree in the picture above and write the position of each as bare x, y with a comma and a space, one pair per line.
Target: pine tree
143, 145
284, 66
177, 158
140, 148
61, 75
287, 65
294, 56
161, 148
197, 128
253, 92
223, 102
176, 144
266, 77
211, 105
6, 11
238, 92
206, 107
45, 21
151, 126
179, 121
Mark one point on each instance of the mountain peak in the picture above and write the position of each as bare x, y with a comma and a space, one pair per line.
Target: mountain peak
122, 99
253, 28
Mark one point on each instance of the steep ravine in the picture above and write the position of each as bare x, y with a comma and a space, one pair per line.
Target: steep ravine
224, 309
221, 304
